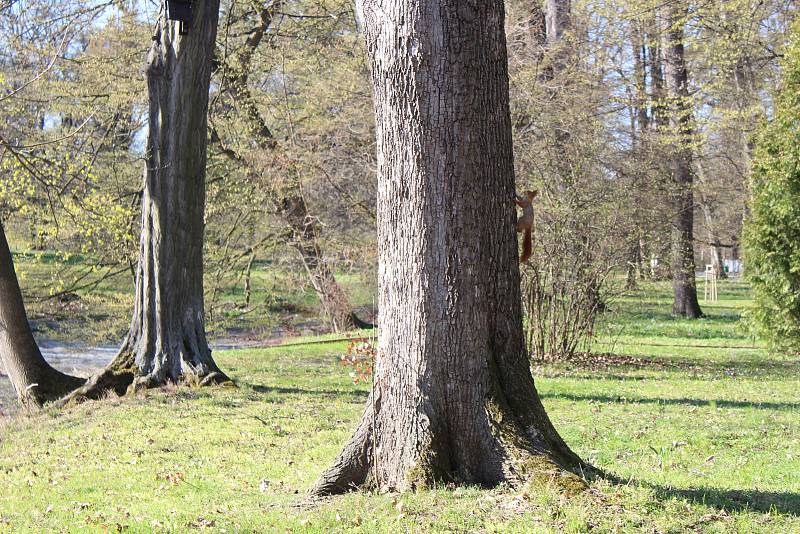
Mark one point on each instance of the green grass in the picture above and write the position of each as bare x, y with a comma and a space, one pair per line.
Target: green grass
282, 299
707, 439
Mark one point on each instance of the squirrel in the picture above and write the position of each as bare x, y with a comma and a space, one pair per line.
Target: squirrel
525, 223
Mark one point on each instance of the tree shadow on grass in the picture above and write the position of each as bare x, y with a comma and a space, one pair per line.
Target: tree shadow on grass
718, 403
643, 367
353, 393
735, 500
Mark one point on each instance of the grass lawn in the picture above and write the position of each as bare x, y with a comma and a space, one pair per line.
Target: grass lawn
704, 428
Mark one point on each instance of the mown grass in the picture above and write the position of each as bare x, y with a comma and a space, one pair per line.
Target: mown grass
704, 437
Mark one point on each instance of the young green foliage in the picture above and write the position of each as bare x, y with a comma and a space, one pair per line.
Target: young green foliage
772, 234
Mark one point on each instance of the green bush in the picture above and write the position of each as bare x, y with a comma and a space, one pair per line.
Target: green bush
772, 233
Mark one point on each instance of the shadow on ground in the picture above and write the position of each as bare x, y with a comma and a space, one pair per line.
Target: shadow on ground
735, 500
680, 400
354, 393
721, 499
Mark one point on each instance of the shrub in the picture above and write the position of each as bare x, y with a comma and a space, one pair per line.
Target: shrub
772, 232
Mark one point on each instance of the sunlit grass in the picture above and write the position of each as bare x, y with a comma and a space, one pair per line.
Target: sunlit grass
703, 439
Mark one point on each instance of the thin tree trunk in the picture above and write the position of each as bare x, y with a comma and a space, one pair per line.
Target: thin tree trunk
660, 119
335, 304
453, 397
167, 340
685, 302
248, 286
639, 124
632, 265
291, 204
714, 243
33, 379
640, 73
558, 19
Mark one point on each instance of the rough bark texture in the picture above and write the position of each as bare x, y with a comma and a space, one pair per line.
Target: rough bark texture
453, 398
685, 302
167, 340
33, 379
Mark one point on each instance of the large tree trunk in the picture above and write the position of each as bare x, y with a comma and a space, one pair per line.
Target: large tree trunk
685, 302
167, 340
33, 379
453, 397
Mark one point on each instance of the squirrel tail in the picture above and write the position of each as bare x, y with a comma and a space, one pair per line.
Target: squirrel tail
527, 246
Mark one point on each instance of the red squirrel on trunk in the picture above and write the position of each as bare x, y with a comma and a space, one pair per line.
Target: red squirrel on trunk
525, 223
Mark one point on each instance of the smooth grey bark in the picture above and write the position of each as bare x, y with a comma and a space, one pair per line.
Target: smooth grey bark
33, 379
453, 397
685, 302
167, 340
558, 20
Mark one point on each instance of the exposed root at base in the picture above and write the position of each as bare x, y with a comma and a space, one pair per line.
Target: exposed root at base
37, 397
343, 478
121, 381
100, 385
352, 468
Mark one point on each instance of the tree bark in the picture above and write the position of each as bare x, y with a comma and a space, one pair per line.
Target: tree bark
558, 19
167, 340
639, 123
33, 379
659, 118
714, 242
685, 302
453, 397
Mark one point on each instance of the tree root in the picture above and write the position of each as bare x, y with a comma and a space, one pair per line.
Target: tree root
109, 380
351, 470
121, 378
510, 454
59, 385
355, 470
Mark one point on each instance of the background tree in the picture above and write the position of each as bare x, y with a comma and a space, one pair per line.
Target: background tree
772, 237
266, 154
73, 198
681, 186
453, 396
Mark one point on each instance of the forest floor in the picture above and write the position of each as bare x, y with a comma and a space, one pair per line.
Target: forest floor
702, 423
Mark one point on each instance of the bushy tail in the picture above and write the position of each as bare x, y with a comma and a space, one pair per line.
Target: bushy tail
527, 246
